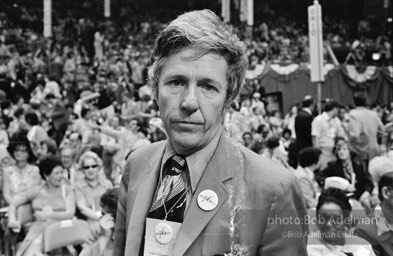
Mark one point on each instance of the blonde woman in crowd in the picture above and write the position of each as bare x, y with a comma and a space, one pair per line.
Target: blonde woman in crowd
90, 189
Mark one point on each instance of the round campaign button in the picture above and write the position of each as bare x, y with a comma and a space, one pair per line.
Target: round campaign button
207, 200
163, 233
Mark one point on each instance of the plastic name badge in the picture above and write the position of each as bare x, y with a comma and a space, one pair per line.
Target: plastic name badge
160, 237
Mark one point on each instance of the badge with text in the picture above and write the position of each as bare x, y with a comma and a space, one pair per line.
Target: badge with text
207, 200
160, 237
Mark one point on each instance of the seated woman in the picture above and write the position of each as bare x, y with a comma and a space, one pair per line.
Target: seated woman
360, 181
379, 233
24, 174
332, 237
51, 202
21, 175
90, 189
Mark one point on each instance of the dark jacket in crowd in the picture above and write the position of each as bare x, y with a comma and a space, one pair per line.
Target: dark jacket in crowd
303, 122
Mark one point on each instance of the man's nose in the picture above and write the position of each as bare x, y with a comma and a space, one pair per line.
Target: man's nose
189, 102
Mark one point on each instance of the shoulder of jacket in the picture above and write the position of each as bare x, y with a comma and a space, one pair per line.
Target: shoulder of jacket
139, 156
266, 171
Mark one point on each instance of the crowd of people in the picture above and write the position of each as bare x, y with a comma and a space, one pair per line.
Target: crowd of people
74, 106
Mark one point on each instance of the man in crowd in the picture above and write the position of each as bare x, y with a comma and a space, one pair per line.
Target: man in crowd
67, 157
303, 122
308, 163
199, 193
364, 127
324, 129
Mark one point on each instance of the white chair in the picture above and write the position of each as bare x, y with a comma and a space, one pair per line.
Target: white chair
65, 233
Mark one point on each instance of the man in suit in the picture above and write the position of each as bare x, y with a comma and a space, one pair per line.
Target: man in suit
199, 192
303, 123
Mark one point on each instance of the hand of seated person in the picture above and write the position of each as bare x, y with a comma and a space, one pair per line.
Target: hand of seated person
107, 223
95, 231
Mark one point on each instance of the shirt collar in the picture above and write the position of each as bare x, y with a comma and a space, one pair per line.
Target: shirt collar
307, 110
197, 161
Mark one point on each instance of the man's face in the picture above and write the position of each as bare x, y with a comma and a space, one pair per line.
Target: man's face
42, 151
66, 157
247, 139
191, 97
134, 126
74, 139
265, 132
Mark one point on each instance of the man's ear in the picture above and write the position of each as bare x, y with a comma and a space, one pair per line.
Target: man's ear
386, 193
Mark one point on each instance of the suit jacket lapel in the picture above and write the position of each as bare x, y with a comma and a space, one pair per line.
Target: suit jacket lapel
217, 171
142, 202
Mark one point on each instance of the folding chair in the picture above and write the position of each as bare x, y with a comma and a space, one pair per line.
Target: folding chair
65, 233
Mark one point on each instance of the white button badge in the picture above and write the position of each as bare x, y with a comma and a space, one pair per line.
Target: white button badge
207, 200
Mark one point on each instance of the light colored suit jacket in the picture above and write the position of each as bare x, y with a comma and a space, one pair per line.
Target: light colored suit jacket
268, 194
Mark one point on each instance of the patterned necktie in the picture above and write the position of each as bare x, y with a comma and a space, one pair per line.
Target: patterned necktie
172, 191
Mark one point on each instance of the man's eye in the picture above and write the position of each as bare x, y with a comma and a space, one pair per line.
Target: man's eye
209, 87
176, 83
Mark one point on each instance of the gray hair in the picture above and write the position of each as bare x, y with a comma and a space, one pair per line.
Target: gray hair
204, 30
